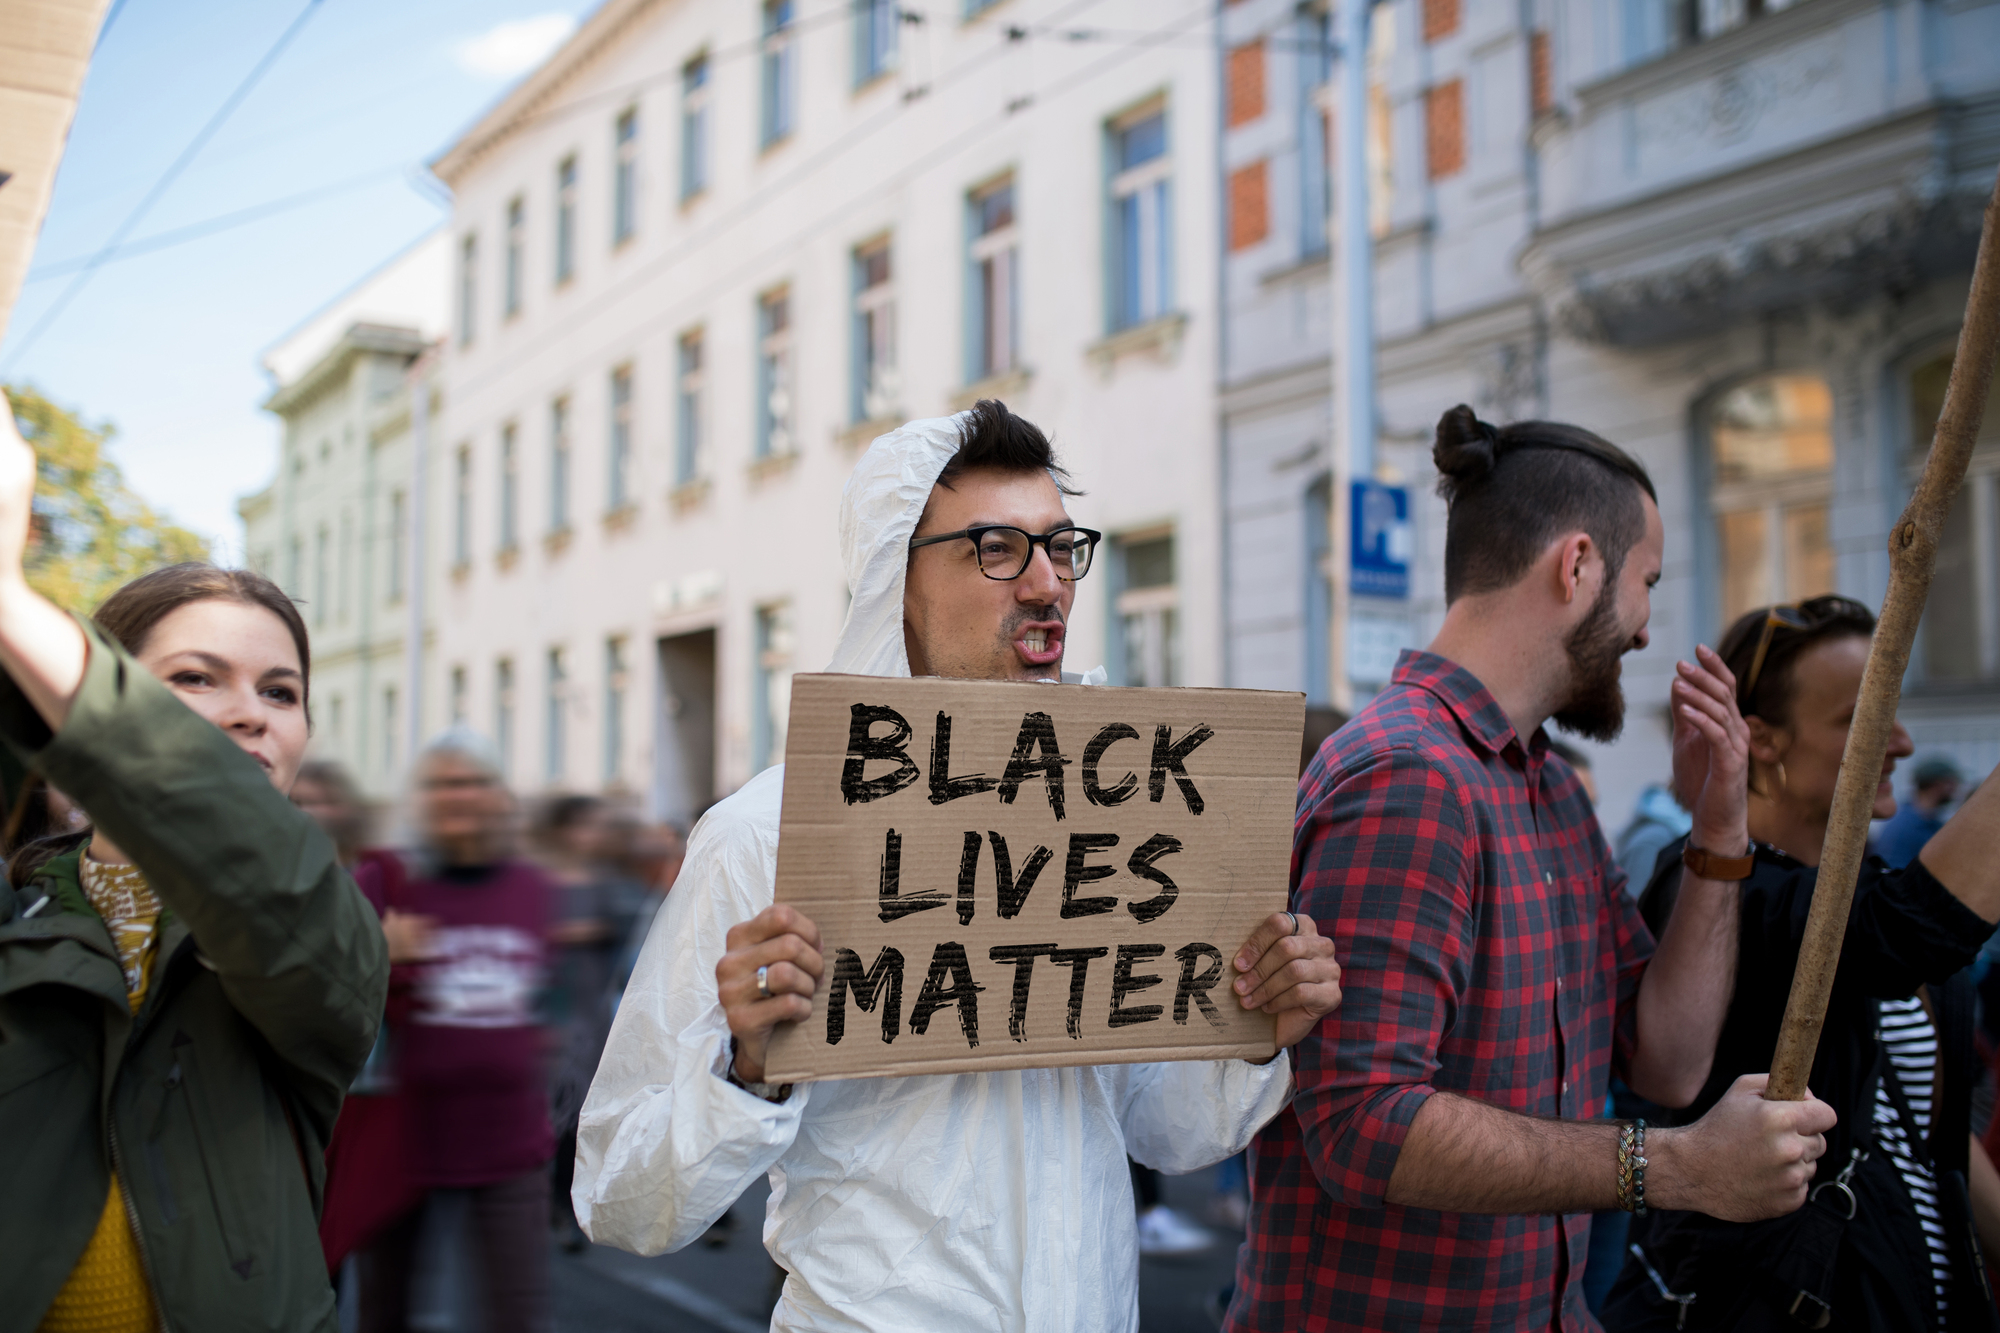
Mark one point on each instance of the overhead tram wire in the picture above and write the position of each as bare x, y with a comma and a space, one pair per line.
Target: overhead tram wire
194, 231
160, 187
828, 218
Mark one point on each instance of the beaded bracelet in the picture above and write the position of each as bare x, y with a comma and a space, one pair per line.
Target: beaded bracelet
1631, 1188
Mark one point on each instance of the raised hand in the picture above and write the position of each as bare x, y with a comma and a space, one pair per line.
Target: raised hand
17, 493
1288, 970
1711, 754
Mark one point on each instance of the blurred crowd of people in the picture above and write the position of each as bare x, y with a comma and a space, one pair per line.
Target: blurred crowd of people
511, 932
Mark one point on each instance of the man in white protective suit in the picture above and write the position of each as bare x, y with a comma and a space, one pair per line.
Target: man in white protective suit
966, 1201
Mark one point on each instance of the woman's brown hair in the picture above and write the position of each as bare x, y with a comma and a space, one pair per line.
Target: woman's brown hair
130, 616
1764, 689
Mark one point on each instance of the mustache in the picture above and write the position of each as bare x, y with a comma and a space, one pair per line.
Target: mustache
1027, 615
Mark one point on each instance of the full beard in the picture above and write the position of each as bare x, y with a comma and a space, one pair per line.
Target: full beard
1595, 708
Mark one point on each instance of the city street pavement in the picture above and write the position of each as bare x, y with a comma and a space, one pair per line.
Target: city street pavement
729, 1288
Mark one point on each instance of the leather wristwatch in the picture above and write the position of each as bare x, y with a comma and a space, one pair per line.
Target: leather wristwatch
1710, 865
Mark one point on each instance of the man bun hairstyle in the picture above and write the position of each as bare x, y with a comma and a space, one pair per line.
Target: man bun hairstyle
1511, 490
992, 437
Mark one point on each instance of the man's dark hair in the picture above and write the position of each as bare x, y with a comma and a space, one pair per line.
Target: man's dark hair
993, 437
1511, 490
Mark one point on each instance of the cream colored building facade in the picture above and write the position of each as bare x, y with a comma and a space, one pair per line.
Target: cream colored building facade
708, 252
337, 526
1734, 238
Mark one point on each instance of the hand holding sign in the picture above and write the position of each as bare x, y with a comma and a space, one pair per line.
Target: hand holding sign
1289, 971
1009, 875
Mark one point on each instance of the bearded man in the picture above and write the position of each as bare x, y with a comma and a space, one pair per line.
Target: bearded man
994, 1200
1439, 1162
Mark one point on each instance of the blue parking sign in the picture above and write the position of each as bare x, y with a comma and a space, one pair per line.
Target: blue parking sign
1379, 529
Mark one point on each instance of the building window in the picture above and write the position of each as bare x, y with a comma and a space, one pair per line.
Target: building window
876, 23
776, 120
625, 177
565, 220
510, 488
1440, 19
995, 281
974, 8
458, 693
774, 374
461, 507
694, 127
1541, 74
772, 689
517, 230
388, 730
1961, 625
559, 451
688, 413
322, 557
1444, 129
344, 570
1771, 449
295, 567
1147, 606
615, 681
399, 544
618, 492
468, 287
1315, 87
1243, 76
875, 385
1141, 209
555, 739
1249, 205
503, 714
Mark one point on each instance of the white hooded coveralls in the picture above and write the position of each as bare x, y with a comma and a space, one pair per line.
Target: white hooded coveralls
965, 1201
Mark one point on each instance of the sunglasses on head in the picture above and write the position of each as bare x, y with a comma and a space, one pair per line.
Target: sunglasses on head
1807, 615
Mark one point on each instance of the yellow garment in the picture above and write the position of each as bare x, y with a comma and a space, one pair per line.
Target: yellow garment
106, 1291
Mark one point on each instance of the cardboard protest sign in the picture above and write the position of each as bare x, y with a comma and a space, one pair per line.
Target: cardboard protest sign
1008, 875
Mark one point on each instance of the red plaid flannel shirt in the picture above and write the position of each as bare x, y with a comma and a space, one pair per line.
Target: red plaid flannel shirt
1488, 949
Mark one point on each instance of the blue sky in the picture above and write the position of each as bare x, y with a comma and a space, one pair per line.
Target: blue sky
165, 345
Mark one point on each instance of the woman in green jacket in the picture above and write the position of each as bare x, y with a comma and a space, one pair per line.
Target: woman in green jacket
188, 986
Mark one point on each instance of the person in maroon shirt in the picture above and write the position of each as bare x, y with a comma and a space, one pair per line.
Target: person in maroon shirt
1439, 1163
469, 937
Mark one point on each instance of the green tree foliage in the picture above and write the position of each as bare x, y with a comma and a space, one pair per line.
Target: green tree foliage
89, 534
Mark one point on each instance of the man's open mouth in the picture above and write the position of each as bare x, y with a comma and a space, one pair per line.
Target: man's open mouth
1040, 644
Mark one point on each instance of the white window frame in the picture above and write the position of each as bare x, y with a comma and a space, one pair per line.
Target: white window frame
690, 388
618, 439
565, 229
625, 176
877, 384
695, 76
517, 231
777, 109
995, 260
1149, 187
777, 408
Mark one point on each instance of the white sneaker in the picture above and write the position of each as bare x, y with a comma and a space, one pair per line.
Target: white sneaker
1162, 1231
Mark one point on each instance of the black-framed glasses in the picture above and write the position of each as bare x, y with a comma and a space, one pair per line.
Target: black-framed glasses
1004, 552
1806, 615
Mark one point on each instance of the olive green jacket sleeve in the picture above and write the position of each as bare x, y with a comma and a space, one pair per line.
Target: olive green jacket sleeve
297, 948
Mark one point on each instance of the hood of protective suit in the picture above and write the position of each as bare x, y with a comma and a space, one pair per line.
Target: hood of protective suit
879, 512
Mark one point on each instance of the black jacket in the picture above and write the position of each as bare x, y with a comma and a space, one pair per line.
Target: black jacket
1906, 931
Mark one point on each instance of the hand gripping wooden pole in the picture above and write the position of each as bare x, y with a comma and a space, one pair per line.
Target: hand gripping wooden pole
1912, 555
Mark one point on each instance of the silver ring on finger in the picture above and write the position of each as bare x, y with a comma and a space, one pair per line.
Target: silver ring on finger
1295, 921
764, 983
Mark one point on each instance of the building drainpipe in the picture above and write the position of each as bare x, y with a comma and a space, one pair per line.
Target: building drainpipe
1351, 441
1222, 344
413, 654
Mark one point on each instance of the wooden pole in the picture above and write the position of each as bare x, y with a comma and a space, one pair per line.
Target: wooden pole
1912, 556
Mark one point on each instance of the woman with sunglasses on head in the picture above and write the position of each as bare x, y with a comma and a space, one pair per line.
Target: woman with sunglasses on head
1890, 1236
188, 984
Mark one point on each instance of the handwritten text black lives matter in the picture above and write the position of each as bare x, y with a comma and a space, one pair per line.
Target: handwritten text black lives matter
1073, 847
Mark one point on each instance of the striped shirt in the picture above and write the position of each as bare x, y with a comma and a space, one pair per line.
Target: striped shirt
1910, 1042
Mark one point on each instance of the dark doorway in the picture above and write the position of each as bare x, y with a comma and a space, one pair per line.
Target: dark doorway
684, 747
